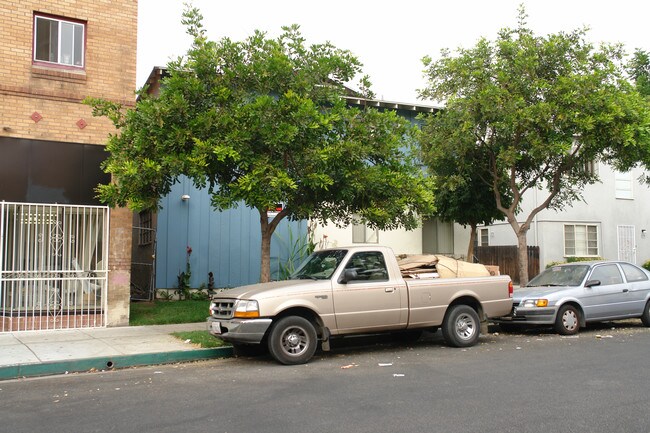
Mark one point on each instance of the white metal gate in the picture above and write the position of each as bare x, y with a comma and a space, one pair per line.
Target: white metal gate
53, 266
626, 244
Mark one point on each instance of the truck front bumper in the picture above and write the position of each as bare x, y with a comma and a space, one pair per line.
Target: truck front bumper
248, 331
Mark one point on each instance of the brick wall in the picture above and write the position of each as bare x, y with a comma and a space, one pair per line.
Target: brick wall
56, 95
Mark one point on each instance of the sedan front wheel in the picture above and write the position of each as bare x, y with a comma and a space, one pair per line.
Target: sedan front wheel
567, 321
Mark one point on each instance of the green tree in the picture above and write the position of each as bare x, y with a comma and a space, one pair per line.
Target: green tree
265, 121
536, 110
639, 70
462, 192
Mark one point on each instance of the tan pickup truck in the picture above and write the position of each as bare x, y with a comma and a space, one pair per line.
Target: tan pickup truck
355, 290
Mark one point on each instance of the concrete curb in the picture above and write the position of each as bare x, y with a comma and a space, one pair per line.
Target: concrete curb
110, 362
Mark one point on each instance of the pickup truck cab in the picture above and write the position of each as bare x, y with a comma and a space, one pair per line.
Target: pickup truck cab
355, 290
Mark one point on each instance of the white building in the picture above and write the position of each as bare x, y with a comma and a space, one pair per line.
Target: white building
611, 222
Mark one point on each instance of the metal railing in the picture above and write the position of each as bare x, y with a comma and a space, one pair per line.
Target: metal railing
53, 266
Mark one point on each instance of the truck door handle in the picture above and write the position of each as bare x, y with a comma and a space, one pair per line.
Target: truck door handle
389, 289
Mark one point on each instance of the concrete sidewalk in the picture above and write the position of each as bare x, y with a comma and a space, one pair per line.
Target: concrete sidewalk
40, 353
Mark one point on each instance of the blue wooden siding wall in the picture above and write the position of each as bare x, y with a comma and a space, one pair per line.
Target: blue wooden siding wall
225, 243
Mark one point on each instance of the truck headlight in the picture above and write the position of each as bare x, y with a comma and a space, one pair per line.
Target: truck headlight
529, 303
246, 309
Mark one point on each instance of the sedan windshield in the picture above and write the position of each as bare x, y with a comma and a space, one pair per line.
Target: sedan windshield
320, 265
568, 275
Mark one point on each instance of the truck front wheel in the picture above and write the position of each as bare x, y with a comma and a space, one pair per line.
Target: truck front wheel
292, 340
461, 326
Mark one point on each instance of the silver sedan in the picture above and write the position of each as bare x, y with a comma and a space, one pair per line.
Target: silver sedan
570, 295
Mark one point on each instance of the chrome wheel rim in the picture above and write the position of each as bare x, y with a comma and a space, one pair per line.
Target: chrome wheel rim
569, 320
295, 341
465, 327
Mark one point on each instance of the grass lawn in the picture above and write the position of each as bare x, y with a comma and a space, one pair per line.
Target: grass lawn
202, 338
168, 312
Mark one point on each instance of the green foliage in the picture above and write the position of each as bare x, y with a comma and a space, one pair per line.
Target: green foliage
463, 193
168, 312
183, 277
200, 338
165, 295
646, 265
265, 121
297, 248
639, 70
200, 294
533, 111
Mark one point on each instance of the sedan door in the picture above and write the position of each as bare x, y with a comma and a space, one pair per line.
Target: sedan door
609, 299
638, 284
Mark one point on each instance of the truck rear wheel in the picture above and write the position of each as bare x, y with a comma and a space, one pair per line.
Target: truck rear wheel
292, 340
461, 326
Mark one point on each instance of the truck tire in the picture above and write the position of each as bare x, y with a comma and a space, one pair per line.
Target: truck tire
461, 327
292, 340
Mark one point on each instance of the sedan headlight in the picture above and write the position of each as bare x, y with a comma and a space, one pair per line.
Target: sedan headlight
529, 303
246, 309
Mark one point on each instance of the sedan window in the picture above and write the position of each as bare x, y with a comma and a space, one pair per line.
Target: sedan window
607, 275
632, 273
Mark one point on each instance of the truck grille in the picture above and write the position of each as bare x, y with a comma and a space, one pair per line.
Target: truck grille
222, 309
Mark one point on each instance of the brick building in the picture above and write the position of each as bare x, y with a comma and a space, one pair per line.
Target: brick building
65, 259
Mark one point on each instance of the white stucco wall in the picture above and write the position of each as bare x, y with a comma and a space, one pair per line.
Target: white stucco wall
401, 241
599, 207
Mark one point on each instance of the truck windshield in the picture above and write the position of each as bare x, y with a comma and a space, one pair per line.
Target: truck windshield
320, 265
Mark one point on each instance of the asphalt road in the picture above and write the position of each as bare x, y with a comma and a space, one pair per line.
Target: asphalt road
531, 382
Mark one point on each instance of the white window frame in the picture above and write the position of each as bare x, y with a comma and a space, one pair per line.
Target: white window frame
478, 239
362, 234
584, 247
624, 185
77, 58
591, 167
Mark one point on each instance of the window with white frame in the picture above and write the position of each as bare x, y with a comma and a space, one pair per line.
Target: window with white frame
623, 183
591, 167
362, 234
580, 240
482, 238
59, 41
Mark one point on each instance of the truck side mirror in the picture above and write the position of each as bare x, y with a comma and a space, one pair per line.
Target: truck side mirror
348, 275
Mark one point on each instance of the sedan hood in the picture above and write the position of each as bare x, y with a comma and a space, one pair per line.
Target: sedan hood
538, 292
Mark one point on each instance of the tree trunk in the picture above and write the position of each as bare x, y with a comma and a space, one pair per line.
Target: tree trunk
470, 247
522, 263
267, 229
265, 268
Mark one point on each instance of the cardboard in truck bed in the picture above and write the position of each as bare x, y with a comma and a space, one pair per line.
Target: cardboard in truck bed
445, 267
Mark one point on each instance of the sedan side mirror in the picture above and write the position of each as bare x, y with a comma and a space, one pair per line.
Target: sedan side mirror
592, 283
